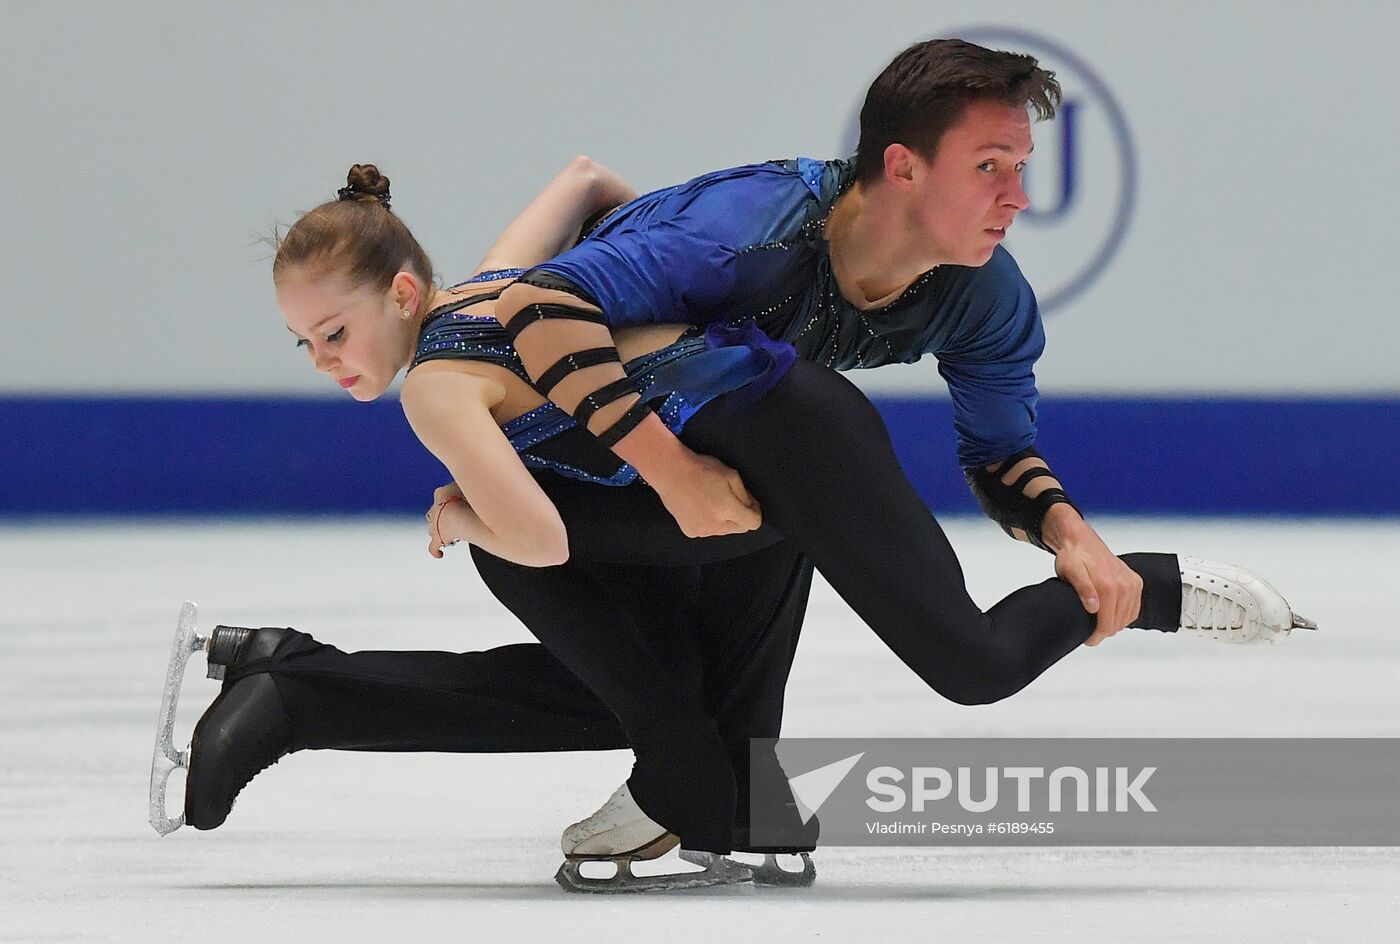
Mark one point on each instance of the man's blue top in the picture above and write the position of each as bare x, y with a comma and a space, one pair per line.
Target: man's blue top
747, 243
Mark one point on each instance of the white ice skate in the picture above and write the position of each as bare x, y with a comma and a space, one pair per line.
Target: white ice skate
1229, 604
165, 760
620, 833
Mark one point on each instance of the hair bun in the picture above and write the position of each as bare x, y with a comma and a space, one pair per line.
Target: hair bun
365, 181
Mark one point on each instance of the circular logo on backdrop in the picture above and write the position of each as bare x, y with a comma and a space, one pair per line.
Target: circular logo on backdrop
1081, 180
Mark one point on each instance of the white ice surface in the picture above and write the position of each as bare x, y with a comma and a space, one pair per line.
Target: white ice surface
365, 847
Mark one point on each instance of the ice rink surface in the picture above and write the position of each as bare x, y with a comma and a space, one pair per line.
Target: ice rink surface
363, 847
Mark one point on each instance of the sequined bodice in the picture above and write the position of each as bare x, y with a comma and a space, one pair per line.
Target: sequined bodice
545, 437
454, 332
675, 381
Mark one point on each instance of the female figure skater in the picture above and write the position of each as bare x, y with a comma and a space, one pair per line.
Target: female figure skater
357, 291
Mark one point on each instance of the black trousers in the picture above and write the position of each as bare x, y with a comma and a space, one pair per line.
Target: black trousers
687, 643
682, 663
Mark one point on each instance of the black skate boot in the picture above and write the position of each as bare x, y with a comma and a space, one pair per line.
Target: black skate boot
245, 731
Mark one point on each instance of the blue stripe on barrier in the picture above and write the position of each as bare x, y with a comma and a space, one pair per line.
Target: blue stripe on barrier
210, 456
157, 455
1186, 456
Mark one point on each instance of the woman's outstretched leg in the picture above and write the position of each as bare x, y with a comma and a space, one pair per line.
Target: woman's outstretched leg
283, 691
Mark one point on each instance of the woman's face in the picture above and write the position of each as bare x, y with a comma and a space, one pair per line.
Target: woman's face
358, 336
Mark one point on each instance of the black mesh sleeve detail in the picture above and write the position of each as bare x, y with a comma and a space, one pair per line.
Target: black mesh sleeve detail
1029, 476
1010, 461
1008, 505
1052, 496
578, 360
595, 221
601, 397
543, 278
478, 299
532, 313
625, 424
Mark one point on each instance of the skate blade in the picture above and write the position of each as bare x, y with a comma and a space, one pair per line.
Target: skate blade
771, 873
717, 871
165, 760
1302, 622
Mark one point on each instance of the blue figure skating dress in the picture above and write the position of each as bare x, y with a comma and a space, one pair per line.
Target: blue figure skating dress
676, 381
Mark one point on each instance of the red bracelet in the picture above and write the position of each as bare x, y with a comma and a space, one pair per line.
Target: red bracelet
437, 523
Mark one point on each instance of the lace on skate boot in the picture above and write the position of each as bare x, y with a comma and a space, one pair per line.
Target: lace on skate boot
1229, 604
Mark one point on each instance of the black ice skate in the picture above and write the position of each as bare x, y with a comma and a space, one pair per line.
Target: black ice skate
243, 732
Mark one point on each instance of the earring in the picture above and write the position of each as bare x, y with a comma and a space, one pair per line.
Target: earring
407, 314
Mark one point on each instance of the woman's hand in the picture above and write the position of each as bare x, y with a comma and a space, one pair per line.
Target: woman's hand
707, 498
441, 530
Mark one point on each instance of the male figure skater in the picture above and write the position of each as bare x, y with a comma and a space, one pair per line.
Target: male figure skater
882, 260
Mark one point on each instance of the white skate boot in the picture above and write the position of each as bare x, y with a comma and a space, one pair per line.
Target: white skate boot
621, 833
1229, 604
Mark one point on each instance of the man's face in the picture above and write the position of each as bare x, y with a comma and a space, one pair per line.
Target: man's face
965, 199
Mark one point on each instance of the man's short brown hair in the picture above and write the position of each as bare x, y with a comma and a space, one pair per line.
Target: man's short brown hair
924, 91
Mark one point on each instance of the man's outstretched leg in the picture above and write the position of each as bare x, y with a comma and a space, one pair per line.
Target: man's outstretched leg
817, 456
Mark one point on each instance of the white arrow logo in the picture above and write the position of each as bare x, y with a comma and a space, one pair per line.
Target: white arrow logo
813, 788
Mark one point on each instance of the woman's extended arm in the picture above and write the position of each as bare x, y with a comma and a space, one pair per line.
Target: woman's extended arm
551, 222
505, 512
